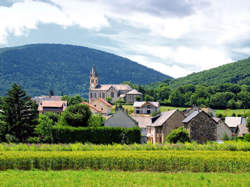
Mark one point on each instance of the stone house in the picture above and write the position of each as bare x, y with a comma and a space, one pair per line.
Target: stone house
93, 109
201, 126
102, 105
146, 107
133, 96
52, 106
114, 91
222, 129
163, 124
237, 125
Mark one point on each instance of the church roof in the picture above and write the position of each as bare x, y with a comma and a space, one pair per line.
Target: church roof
93, 71
118, 87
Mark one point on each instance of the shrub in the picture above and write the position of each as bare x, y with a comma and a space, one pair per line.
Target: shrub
96, 135
96, 120
44, 130
178, 135
76, 115
225, 137
247, 137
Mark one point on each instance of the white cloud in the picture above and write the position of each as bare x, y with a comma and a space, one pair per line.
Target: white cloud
203, 36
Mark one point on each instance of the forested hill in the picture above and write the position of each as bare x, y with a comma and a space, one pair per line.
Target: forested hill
65, 69
237, 72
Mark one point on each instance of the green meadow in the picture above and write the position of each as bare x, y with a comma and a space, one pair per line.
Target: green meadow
119, 178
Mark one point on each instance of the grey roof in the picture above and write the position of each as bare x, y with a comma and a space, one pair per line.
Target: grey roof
39, 99
143, 121
141, 103
191, 116
118, 87
234, 121
163, 118
121, 119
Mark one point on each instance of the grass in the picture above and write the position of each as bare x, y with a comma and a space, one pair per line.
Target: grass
119, 178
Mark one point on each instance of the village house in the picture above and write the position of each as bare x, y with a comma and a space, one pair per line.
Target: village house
202, 127
52, 106
237, 125
122, 119
146, 107
132, 96
222, 129
93, 109
163, 124
143, 121
114, 91
102, 105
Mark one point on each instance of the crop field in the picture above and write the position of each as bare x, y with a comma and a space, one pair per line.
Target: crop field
119, 178
158, 160
212, 146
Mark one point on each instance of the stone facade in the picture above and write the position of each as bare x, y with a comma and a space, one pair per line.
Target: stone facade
222, 129
102, 105
201, 127
163, 125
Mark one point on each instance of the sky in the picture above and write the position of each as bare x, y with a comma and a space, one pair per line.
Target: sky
175, 37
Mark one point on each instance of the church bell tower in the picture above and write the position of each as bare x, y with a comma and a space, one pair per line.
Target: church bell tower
93, 78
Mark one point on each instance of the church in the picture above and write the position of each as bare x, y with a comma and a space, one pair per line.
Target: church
114, 91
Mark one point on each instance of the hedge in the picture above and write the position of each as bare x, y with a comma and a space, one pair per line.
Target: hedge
96, 135
170, 161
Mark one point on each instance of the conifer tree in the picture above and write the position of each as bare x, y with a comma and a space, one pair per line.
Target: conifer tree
19, 115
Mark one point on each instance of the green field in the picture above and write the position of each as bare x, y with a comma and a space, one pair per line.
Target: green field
225, 112
119, 178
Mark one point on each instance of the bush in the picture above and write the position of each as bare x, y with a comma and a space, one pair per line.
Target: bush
178, 135
247, 137
44, 130
76, 115
96, 135
96, 120
225, 137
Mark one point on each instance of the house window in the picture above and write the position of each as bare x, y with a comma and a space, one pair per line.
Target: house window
94, 95
148, 111
101, 108
137, 111
112, 94
103, 95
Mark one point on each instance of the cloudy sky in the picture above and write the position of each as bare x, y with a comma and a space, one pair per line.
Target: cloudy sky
175, 37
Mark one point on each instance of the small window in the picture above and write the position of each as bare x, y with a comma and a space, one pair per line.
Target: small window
112, 94
137, 111
101, 108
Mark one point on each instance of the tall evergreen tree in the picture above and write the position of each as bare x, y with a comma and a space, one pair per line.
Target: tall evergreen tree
19, 115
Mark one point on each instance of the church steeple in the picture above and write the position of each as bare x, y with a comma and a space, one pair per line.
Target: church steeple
93, 78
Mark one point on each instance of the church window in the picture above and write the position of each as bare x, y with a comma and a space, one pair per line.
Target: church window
91, 95
103, 95
94, 95
92, 81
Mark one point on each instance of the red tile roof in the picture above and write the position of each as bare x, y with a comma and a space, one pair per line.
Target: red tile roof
91, 106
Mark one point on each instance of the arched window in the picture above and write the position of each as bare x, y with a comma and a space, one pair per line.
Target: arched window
112, 94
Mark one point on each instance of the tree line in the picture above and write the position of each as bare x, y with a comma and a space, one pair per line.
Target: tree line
227, 95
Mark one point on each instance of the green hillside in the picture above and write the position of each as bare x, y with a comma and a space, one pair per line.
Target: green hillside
65, 69
237, 72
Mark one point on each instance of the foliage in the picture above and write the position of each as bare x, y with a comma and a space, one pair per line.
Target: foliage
52, 116
246, 137
178, 135
248, 124
171, 161
236, 73
96, 120
72, 100
76, 115
225, 137
96, 135
19, 115
109, 99
44, 129
65, 69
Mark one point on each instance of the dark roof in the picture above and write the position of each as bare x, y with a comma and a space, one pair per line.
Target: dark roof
121, 119
191, 116
163, 118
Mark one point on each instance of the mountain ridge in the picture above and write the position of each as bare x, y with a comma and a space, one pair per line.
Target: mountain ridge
65, 69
